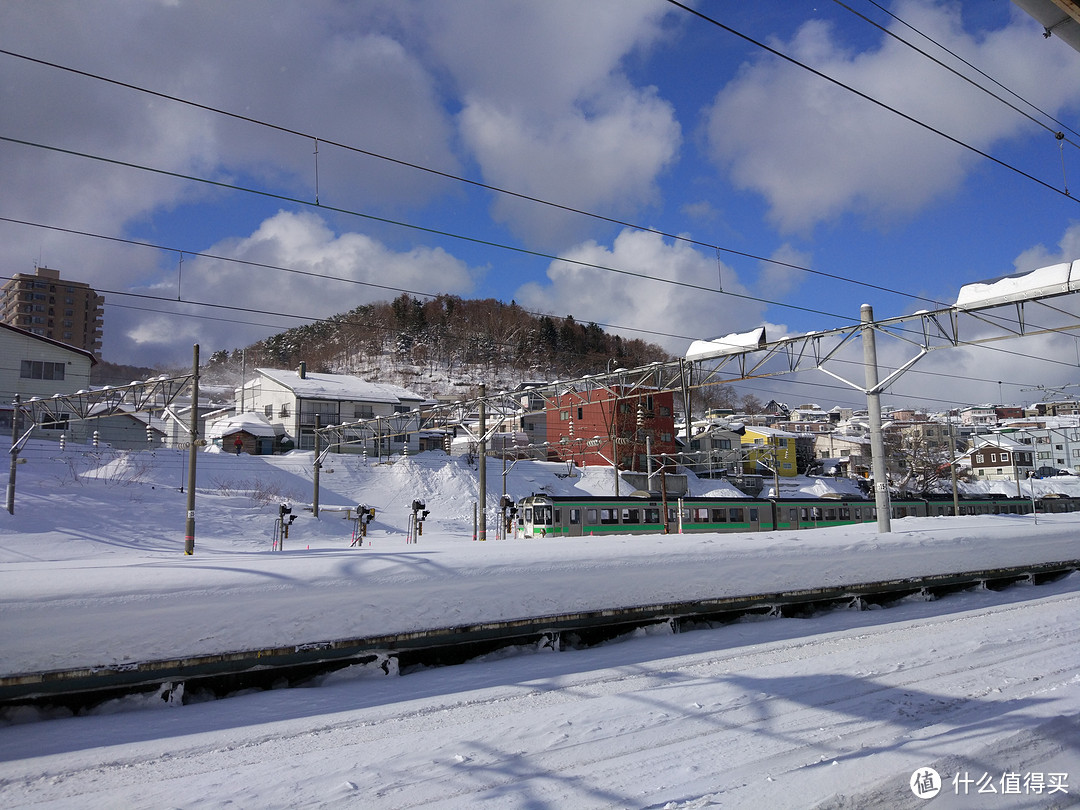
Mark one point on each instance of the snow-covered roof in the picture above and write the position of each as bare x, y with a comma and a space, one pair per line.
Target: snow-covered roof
250, 422
1000, 441
104, 411
339, 387
761, 430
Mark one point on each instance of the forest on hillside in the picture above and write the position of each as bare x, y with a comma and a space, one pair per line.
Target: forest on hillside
450, 333
433, 346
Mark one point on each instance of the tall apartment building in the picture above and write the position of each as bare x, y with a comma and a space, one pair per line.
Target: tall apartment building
66, 311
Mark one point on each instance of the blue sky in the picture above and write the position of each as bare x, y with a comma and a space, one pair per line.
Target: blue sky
633, 111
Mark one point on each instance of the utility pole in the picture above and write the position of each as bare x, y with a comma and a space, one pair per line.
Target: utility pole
315, 475
482, 529
685, 369
952, 468
189, 528
873, 407
14, 456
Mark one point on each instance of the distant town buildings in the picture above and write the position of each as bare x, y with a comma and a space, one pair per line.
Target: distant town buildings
69, 312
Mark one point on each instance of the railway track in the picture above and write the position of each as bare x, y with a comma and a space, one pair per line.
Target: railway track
223, 673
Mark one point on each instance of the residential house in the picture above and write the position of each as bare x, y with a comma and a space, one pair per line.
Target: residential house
1001, 458
36, 366
715, 448
293, 400
1054, 440
979, 415
772, 449
120, 429
840, 453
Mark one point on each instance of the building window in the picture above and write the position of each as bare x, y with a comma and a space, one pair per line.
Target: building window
39, 370
54, 422
268, 410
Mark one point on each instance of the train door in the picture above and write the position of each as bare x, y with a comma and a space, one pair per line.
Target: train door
574, 526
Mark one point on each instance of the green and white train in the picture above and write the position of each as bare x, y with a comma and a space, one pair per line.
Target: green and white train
585, 515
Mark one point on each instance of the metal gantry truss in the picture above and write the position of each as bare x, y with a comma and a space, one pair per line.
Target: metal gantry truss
155, 396
924, 331
158, 394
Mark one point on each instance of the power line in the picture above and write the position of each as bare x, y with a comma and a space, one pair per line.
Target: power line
866, 97
267, 266
421, 228
449, 176
492, 188
313, 319
961, 59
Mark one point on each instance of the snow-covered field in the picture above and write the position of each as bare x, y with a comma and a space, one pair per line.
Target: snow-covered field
836, 711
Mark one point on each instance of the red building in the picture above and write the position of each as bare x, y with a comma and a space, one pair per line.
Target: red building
581, 427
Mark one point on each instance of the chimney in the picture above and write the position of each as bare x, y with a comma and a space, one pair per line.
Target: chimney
302, 371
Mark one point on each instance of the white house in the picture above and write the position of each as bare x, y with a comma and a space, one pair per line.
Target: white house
35, 366
292, 399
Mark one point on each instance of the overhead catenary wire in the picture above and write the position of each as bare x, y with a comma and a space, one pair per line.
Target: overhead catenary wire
421, 228
314, 319
867, 97
457, 178
407, 225
496, 189
324, 276
1061, 126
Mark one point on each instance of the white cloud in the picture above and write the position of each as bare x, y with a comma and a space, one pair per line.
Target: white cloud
333, 274
816, 151
1068, 250
548, 110
781, 277
604, 161
694, 307
312, 67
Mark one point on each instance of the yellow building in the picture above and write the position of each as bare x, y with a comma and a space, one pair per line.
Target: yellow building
774, 449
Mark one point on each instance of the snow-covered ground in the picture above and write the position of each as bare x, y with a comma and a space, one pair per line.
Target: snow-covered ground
836, 711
